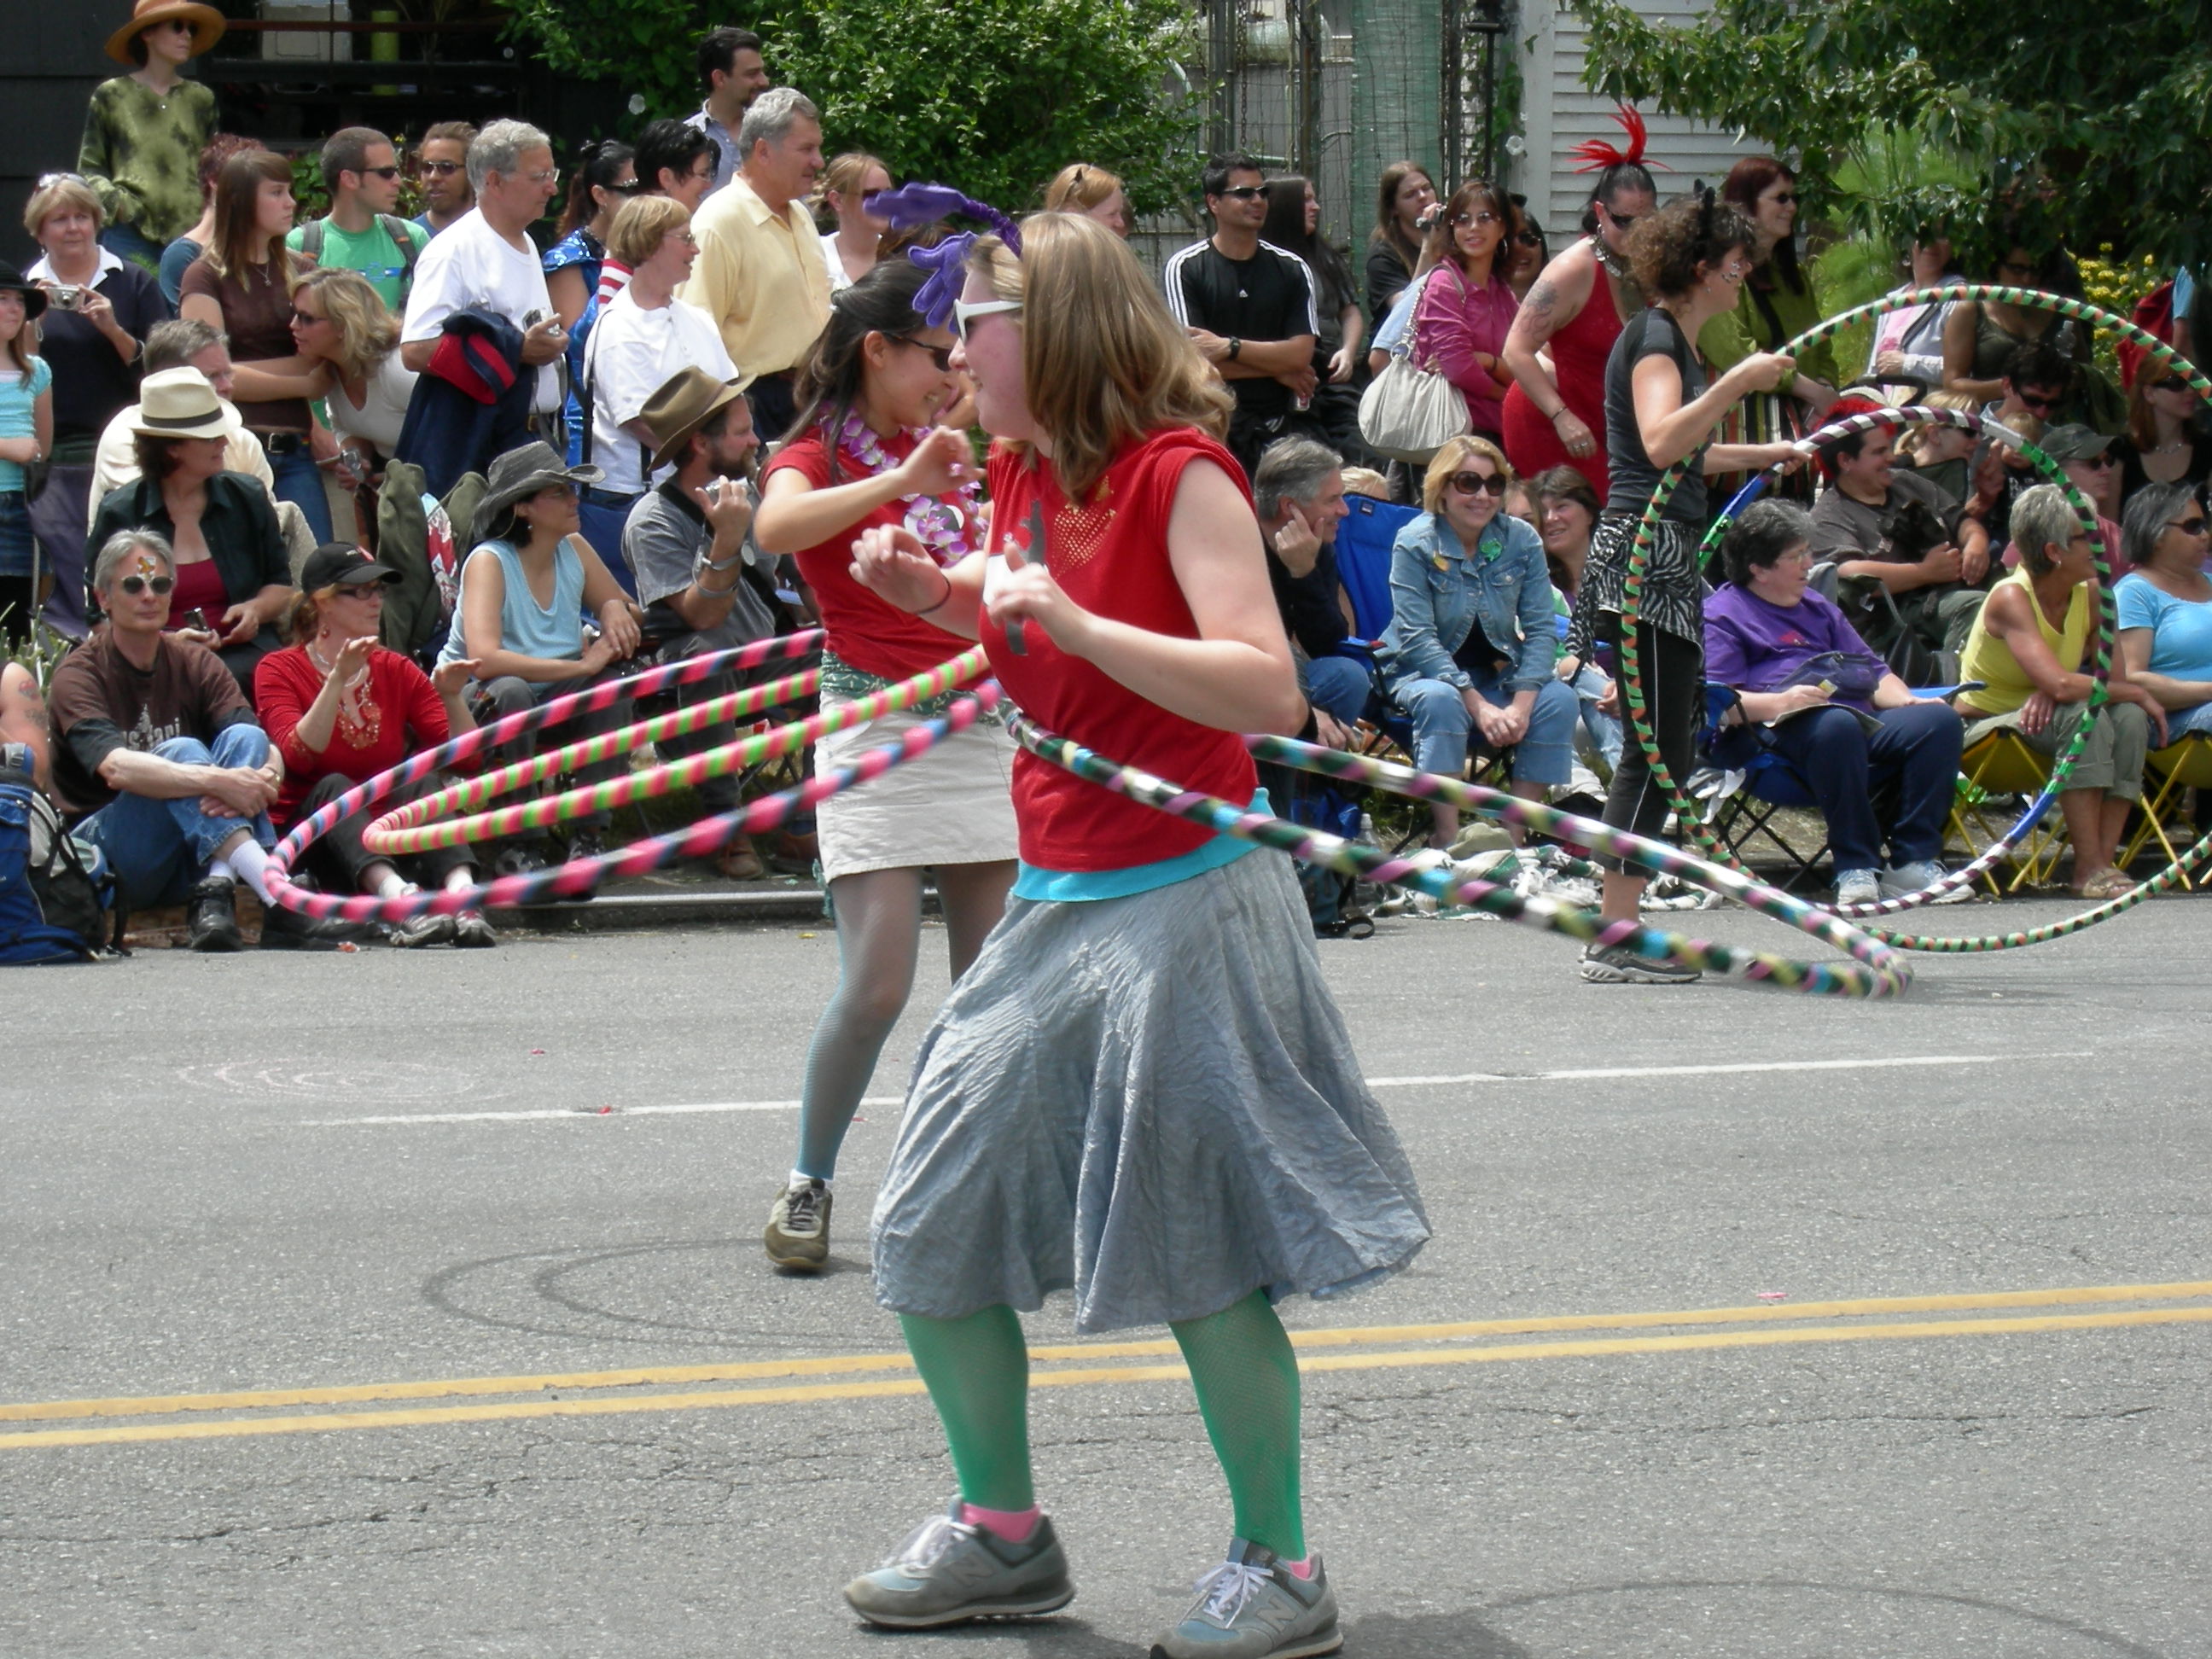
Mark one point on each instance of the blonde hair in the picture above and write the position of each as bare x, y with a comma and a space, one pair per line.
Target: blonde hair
1079, 187
368, 333
642, 225
1366, 481
1103, 364
51, 198
1456, 454
842, 177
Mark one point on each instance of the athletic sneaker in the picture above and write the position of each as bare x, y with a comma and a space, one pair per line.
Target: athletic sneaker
1858, 887
948, 1571
471, 931
1254, 1606
1617, 964
798, 1235
1903, 880
418, 930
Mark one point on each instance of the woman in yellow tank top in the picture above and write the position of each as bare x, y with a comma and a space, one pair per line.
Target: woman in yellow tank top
2027, 647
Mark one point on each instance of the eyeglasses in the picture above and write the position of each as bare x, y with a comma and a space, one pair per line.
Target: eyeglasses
941, 355
441, 169
2101, 463
1474, 483
1528, 238
1461, 221
299, 315
381, 173
1624, 219
2169, 385
2192, 525
1244, 193
2038, 402
963, 313
551, 176
134, 585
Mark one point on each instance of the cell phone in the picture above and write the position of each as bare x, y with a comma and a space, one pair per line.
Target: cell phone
197, 618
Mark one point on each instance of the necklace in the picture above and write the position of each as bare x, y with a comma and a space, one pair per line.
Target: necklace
358, 720
939, 524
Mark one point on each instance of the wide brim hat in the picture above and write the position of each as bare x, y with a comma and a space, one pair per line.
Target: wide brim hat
208, 24
680, 405
34, 297
521, 473
180, 402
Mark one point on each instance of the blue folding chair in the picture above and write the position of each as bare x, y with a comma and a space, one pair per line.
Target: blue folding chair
1769, 784
1363, 540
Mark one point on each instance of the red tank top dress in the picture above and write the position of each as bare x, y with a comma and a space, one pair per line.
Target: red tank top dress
1578, 357
1111, 557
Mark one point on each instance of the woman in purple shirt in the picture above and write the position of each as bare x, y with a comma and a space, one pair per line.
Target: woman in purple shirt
1811, 691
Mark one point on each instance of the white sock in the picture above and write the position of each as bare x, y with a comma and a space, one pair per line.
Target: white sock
251, 865
464, 877
799, 1178
389, 886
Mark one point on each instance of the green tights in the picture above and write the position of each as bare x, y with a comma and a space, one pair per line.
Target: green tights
977, 1370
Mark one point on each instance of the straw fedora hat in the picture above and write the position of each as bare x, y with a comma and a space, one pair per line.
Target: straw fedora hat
685, 402
207, 27
179, 402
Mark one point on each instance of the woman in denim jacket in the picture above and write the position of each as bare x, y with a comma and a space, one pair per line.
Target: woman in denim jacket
1469, 653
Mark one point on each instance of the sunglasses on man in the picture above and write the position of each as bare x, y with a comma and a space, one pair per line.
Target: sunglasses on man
134, 585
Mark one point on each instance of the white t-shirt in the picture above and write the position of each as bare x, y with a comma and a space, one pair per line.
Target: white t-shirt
632, 354
835, 261
383, 409
472, 265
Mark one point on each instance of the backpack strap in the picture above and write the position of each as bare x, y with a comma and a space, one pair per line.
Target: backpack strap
402, 235
310, 240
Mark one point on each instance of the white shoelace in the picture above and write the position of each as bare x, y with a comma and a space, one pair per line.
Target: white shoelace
1227, 1588
928, 1544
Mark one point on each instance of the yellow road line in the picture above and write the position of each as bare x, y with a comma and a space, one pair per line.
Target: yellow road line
1365, 1335
514, 1410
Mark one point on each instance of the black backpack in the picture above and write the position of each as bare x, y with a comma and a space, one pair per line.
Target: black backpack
57, 898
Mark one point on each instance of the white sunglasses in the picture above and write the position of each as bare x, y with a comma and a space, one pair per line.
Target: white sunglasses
963, 312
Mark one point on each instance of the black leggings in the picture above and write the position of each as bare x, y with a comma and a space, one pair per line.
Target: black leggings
1674, 683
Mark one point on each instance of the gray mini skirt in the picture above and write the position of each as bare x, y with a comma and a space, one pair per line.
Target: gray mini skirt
1152, 1101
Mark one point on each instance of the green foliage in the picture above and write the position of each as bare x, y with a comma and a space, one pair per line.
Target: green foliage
994, 96
2087, 126
650, 46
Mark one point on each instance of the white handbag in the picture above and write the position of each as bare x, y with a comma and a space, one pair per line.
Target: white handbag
1408, 413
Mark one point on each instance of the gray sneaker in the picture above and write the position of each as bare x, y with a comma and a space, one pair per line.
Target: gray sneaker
1254, 1606
949, 1571
1856, 887
798, 1235
1616, 964
1903, 880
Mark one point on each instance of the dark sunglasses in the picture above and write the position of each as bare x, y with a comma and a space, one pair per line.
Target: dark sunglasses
1244, 192
1624, 219
381, 173
2192, 525
441, 169
1461, 221
1473, 483
2102, 462
1528, 238
134, 585
1786, 198
2041, 405
941, 356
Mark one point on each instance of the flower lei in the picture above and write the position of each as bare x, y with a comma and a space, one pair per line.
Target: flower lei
938, 524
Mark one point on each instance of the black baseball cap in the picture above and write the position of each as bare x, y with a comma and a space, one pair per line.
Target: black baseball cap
341, 564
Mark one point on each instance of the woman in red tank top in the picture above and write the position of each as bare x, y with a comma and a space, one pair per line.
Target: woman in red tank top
1141, 1091
1556, 417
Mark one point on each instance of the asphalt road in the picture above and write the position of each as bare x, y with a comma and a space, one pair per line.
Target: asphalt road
498, 1372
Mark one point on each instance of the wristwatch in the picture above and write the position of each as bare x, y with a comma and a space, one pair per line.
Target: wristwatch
1235, 345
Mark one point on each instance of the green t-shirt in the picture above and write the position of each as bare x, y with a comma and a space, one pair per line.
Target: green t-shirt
373, 253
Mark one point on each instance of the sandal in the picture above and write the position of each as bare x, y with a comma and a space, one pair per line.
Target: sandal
2109, 883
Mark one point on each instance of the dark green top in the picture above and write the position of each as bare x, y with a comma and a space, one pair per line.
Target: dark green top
142, 153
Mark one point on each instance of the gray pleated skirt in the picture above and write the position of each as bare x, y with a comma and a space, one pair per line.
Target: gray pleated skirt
1152, 1101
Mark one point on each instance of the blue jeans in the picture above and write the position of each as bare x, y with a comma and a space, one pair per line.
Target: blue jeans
1445, 734
1341, 686
158, 849
2180, 721
300, 481
125, 242
1840, 761
601, 514
1603, 729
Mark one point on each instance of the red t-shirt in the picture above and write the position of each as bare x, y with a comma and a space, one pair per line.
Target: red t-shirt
874, 635
1111, 557
401, 714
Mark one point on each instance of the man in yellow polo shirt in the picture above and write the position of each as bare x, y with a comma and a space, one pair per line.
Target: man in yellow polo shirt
760, 274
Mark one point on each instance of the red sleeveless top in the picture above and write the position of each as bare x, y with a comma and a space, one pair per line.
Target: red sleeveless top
1111, 557
1578, 353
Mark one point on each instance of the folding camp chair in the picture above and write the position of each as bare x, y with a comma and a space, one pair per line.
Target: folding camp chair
2183, 764
1745, 785
2002, 764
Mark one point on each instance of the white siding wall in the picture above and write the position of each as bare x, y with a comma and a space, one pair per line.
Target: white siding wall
1559, 112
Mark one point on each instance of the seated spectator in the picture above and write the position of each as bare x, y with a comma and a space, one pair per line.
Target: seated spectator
1568, 509
230, 563
2086, 458
441, 167
1091, 191
99, 309
644, 335
1981, 338
1896, 532
2165, 441
1907, 353
2166, 604
1812, 691
24, 719
27, 434
340, 708
852, 249
178, 344
1366, 481
704, 585
340, 325
1469, 652
178, 255
162, 765
525, 589
242, 285
1299, 490
2028, 649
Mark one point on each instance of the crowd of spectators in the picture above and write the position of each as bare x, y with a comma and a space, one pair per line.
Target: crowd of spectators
206, 387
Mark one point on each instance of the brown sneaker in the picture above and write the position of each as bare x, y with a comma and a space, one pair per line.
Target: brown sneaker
739, 861
798, 1236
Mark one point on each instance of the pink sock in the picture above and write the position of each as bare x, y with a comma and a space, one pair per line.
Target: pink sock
1014, 1526
1301, 1569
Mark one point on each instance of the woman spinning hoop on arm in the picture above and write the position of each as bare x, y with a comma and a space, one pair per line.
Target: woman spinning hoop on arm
1141, 1091
869, 454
